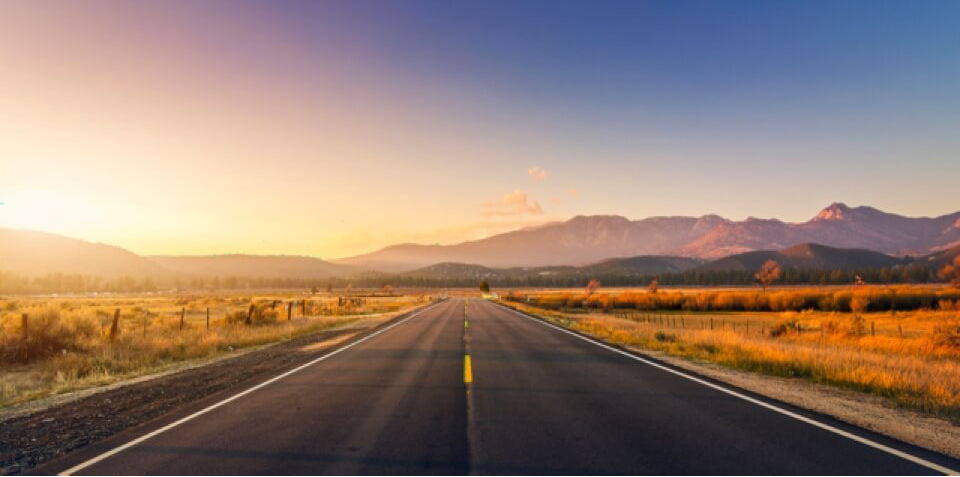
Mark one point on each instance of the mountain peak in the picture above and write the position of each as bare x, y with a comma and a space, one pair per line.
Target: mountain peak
836, 211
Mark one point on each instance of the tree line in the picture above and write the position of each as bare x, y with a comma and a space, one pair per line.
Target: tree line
12, 283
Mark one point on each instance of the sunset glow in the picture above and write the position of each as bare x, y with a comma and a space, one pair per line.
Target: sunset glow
336, 128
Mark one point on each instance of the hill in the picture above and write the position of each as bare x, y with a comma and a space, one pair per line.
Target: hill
621, 267
808, 256
260, 266
32, 253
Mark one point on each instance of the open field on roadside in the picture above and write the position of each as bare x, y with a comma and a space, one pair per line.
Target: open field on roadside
51, 345
911, 357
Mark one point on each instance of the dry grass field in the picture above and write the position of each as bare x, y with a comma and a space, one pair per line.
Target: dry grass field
910, 356
50, 346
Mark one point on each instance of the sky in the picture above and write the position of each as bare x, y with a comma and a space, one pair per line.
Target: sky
332, 128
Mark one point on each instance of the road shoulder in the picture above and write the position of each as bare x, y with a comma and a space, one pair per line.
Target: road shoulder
34, 439
864, 411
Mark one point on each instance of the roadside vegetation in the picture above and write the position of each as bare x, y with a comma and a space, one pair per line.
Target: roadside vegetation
844, 299
900, 343
54, 345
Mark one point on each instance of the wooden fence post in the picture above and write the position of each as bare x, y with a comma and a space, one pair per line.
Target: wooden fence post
289, 310
303, 308
25, 324
711, 322
249, 320
873, 330
183, 311
115, 327
208, 317
900, 329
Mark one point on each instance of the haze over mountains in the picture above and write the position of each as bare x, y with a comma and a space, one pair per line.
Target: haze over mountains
262, 266
587, 239
838, 237
31, 253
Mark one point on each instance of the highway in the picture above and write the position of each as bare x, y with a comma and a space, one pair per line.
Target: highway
481, 389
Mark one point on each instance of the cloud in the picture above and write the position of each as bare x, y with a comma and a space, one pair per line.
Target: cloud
537, 173
513, 203
573, 192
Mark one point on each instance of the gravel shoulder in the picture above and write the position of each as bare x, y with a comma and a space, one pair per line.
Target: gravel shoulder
40, 431
862, 410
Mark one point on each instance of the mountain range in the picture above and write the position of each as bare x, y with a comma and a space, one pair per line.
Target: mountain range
32, 253
587, 239
838, 237
808, 256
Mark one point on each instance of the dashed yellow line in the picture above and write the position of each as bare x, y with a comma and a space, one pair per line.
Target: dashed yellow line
466, 324
467, 370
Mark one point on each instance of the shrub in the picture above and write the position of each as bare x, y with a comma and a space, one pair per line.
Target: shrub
784, 327
48, 335
946, 335
664, 337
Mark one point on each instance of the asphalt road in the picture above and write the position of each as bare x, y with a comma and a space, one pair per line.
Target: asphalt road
538, 401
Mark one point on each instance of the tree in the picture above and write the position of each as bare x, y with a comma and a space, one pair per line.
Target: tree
951, 272
592, 286
653, 286
769, 273
858, 304
484, 286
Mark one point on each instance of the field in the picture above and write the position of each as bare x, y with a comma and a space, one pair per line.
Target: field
907, 354
50, 346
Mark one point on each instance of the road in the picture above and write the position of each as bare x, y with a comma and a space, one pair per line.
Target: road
539, 401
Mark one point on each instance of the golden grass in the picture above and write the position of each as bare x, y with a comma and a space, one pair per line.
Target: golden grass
864, 298
69, 344
917, 370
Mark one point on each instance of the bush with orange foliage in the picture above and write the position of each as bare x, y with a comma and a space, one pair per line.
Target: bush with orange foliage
951, 272
902, 297
593, 286
769, 273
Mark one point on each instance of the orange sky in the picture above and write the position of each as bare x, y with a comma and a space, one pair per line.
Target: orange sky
192, 128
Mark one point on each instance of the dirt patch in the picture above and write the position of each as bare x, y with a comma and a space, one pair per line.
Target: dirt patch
27, 441
325, 344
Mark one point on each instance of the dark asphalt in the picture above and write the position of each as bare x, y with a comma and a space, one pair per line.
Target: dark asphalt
541, 402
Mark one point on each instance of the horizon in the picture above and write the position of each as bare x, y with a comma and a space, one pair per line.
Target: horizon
337, 129
335, 259
381, 237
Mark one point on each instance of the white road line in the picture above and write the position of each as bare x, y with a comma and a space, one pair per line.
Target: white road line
813, 422
112, 452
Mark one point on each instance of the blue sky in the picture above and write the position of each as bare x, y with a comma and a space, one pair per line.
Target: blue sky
390, 121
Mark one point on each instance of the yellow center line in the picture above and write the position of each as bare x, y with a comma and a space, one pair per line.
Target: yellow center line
466, 324
467, 370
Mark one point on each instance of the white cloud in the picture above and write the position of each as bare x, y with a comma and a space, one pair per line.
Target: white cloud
537, 173
513, 203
